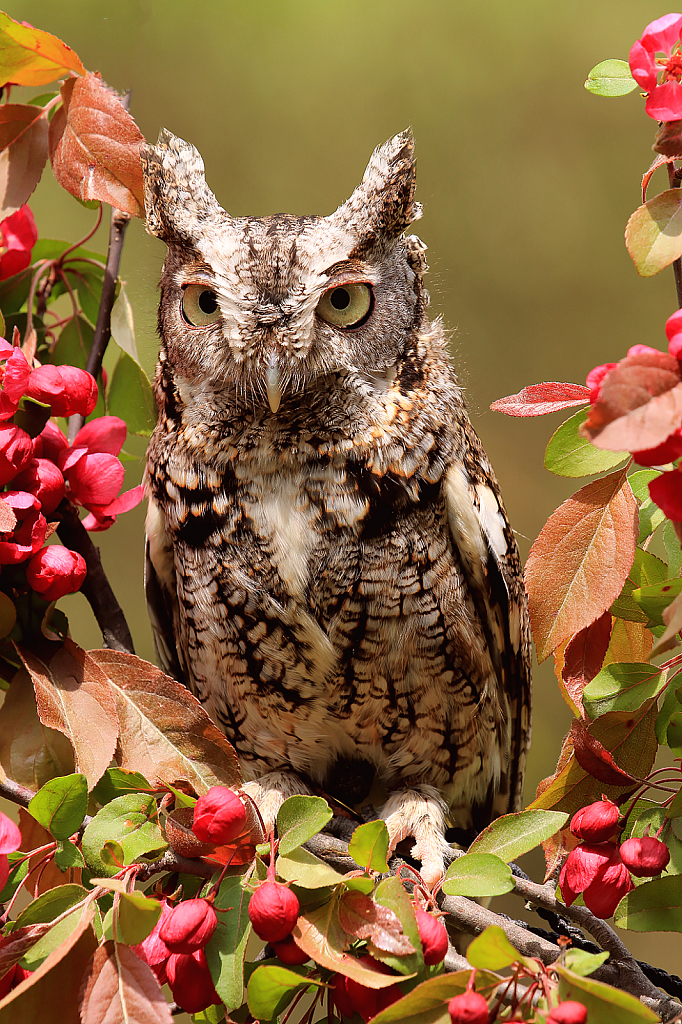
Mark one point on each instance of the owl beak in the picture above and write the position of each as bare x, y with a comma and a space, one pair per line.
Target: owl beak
273, 383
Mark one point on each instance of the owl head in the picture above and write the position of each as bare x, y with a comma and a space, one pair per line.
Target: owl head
271, 307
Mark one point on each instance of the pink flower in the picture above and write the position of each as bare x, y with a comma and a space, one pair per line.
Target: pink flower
42, 478
16, 451
55, 571
189, 926
50, 443
19, 235
66, 389
10, 840
29, 533
645, 857
666, 491
595, 378
219, 816
597, 871
673, 330
153, 950
664, 100
596, 822
191, 982
667, 451
14, 376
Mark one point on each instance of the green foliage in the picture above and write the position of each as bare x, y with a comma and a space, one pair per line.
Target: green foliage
570, 454
623, 687
512, 835
131, 821
478, 874
369, 845
610, 78
300, 818
61, 804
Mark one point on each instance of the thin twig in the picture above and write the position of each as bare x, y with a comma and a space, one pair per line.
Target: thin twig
96, 587
17, 794
674, 180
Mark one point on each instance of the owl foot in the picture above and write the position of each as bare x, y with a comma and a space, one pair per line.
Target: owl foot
419, 814
269, 793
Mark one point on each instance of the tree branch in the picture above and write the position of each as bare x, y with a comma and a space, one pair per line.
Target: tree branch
96, 587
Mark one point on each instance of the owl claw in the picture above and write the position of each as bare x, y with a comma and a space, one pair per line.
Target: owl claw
269, 793
419, 814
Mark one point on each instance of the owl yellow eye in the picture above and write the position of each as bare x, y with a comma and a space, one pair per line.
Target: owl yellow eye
200, 305
346, 305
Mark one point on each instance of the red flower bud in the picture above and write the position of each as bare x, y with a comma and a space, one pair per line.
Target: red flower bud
569, 1012
55, 571
153, 950
273, 910
666, 491
10, 836
599, 874
189, 926
667, 451
190, 981
433, 935
19, 235
341, 997
50, 442
29, 533
16, 451
219, 816
645, 857
66, 389
469, 1008
368, 1002
42, 478
289, 953
596, 822
595, 378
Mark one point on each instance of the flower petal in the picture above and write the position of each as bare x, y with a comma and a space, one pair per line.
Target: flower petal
105, 434
664, 103
643, 67
662, 34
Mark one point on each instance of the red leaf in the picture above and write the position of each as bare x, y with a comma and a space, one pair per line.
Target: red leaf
76, 698
15, 945
119, 987
639, 404
23, 142
578, 565
54, 981
362, 917
596, 760
540, 399
29, 56
95, 146
584, 657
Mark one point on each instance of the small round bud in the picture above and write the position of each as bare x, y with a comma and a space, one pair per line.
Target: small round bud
469, 1008
273, 910
189, 926
368, 1002
219, 816
190, 981
569, 1012
55, 571
433, 935
645, 857
596, 822
289, 953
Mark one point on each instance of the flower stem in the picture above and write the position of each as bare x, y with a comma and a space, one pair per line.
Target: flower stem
673, 178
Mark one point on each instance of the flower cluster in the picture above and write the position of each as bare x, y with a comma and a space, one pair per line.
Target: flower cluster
599, 868
660, 77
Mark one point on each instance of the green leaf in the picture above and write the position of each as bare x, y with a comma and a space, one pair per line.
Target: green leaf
300, 818
52, 249
51, 905
673, 549
130, 396
129, 820
427, 1003
271, 988
655, 599
369, 846
646, 570
515, 834
137, 915
671, 703
360, 883
18, 869
610, 78
68, 855
391, 893
122, 325
61, 804
307, 870
674, 734
88, 285
655, 906
478, 874
583, 963
227, 946
622, 687
74, 343
116, 782
605, 1005
653, 235
14, 290
492, 950
650, 515
569, 454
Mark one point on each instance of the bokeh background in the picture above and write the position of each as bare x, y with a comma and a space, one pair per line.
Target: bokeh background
527, 181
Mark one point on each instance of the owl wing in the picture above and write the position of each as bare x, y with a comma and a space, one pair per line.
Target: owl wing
161, 594
490, 561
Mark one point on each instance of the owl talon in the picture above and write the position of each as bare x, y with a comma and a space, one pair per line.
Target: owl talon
419, 814
269, 793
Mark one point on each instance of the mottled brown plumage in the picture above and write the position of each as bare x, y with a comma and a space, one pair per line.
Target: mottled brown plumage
330, 566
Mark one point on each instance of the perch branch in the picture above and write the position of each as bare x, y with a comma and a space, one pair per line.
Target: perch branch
96, 587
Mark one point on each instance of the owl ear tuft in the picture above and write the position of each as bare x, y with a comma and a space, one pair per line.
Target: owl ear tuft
177, 199
383, 205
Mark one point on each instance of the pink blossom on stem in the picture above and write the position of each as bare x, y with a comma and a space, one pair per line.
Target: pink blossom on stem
10, 840
50, 443
664, 93
16, 451
29, 533
42, 478
55, 571
66, 389
19, 235
14, 376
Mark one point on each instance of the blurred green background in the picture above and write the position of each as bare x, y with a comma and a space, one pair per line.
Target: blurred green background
527, 182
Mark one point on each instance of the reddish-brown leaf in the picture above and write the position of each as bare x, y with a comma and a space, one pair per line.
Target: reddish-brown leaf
361, 917
8, 520
95, 146
320, 934
165, 733
648, 174
15, 945
54, 984
578, 565
29, 56
639, 405
30, 753
540, 399
119, 988
74, 696
596, 760
584, 657
23, 153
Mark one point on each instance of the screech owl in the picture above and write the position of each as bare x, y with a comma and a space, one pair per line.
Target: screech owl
330, 566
